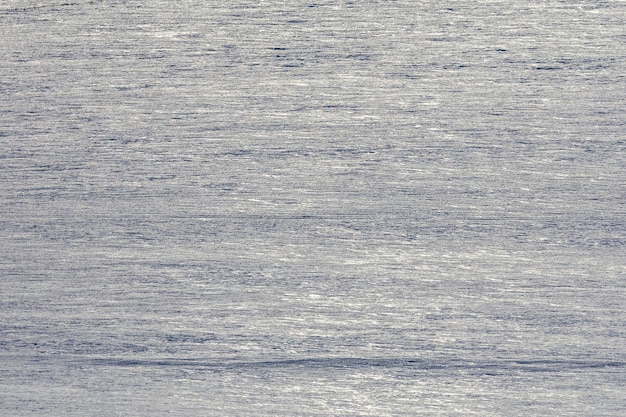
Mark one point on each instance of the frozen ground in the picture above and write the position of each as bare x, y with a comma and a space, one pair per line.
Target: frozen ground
333, 208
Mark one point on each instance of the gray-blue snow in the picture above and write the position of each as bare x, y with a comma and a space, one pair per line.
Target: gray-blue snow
312, 208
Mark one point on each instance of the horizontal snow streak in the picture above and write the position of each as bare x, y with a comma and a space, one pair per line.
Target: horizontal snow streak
501, 367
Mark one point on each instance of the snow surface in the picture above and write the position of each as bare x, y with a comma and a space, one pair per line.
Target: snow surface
331, 208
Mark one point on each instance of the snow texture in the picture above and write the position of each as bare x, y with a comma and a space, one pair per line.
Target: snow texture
330, 208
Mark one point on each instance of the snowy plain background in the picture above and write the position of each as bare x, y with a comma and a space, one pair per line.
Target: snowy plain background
276, 208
